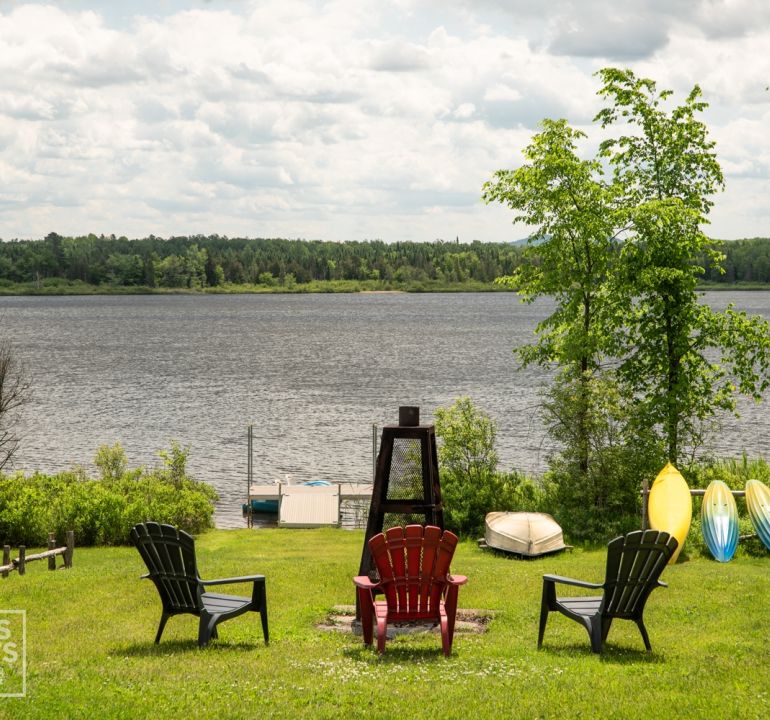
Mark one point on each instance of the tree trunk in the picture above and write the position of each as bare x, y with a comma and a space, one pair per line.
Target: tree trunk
583, 439
672, 406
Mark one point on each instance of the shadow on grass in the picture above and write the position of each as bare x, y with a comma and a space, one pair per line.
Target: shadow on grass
507, 555
181, 647
612, 654
395, 654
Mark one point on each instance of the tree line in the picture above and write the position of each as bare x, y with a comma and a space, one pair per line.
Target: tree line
209, 261
201, 261
745, 260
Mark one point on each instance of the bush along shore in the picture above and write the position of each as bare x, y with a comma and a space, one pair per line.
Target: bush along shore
102, 510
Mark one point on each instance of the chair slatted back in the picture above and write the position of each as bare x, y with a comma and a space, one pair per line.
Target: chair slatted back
413, 563
634, 564
169, 555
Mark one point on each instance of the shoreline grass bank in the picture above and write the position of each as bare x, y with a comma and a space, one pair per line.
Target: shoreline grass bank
72, 287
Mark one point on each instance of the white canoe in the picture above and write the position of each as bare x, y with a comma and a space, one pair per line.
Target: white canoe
523, 533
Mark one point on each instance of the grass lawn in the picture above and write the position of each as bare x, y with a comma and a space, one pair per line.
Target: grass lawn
90, 650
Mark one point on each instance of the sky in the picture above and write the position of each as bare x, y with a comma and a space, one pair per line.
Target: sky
344, 120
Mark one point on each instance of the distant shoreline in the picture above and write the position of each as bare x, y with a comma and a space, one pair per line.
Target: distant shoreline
65, 287
56, 286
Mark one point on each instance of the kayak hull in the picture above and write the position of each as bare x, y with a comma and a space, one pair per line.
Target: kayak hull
758, 505
719, 521
669, 506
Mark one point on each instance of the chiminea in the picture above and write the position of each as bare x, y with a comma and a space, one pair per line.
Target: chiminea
406, 485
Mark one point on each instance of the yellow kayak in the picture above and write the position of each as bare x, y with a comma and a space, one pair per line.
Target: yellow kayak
669, 506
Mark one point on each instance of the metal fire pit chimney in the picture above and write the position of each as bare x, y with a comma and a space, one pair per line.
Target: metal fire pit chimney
406, 483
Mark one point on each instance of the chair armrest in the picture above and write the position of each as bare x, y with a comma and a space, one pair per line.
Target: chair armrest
571, 581
230, 581
456, 580
363, 582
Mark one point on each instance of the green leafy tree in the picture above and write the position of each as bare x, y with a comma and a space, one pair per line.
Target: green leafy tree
111, 461
15, 393
640, 361
468, 435
175, 462
568, 257
172, 271
600, 501
665, 174
195, 266
471, 485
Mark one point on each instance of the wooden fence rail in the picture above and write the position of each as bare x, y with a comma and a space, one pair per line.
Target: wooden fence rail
20, 563
694, 492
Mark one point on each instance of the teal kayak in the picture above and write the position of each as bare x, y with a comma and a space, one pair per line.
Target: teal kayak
719, 521
758, 504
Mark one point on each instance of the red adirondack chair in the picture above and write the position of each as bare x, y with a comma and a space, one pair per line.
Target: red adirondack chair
413, 565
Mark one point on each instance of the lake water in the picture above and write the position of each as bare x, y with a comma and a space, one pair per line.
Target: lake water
311, 372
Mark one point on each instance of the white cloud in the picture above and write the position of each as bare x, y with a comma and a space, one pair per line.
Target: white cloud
344, 120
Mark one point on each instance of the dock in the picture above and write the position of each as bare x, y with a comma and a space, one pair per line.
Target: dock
305, 506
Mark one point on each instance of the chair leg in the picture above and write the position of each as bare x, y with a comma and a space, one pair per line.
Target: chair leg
263, 616
446, 641
206, 627
606, 624
595, 631
259, 604
365, 604
450, 605
547, 601
382, 633
645, 637
163, 620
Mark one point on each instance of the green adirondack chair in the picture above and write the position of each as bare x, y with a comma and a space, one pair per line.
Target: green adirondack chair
170, 558
634, 564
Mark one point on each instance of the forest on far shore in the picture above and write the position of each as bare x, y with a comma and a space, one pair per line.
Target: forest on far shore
200, 261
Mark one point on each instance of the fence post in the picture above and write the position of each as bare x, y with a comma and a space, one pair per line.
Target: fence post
6, 558
22, 562
70, 548
52, 546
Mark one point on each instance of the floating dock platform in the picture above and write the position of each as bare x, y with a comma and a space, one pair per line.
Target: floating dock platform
305, 506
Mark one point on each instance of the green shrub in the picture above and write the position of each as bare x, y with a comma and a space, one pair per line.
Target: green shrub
471, 485
594, 480
735, 472
111, 461
595, 505
103, 511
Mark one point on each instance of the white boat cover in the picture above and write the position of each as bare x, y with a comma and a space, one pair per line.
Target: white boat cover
523, 533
